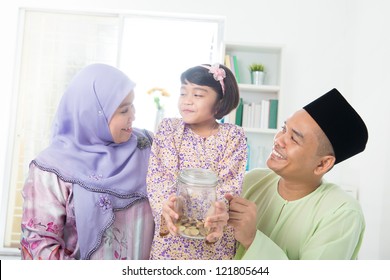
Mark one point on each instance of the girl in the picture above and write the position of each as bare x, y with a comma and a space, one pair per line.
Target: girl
85, 196
196, 140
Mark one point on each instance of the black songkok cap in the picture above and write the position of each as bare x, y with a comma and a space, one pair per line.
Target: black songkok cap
342, 125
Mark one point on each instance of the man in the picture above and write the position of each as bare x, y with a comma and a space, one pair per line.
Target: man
289, 212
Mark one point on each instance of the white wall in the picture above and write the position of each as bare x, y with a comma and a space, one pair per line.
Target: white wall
328, 43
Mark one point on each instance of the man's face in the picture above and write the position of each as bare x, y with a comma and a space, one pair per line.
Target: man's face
294, 154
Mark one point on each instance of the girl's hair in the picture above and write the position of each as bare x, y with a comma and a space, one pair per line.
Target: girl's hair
227, 100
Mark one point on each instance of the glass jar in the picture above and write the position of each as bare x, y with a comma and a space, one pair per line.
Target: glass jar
196, 194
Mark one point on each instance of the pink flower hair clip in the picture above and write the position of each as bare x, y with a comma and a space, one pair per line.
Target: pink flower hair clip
218, 73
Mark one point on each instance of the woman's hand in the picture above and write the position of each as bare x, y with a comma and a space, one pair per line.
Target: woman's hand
217, 222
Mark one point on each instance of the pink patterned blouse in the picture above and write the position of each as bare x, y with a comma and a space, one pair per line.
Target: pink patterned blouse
49, 230
175, 147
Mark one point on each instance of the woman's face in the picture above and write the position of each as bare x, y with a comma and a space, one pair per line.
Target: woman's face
121, 122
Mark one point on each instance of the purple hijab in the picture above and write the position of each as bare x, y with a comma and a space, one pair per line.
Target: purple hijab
106, 177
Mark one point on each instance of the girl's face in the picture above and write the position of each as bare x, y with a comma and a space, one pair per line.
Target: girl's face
122, 119
197, 104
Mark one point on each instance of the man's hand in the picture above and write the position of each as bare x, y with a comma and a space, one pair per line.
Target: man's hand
242, 216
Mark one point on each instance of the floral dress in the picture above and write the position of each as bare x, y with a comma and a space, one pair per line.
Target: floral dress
49, 227
176, 147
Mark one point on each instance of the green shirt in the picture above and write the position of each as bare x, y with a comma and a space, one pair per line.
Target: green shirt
326, 224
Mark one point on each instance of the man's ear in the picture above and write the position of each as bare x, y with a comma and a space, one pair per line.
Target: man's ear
325, 164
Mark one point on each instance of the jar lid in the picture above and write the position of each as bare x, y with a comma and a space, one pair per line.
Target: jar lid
198, 177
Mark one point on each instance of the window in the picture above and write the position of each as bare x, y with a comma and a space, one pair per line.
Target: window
55, 45
183, 44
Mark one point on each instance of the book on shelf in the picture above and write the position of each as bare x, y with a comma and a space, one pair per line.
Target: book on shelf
245, 114
232, 63
256, 115
264, 113
273, 113
236, 72
239, 113
227, 61
231, 117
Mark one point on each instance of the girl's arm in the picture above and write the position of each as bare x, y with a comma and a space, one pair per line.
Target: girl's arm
162, 171
233, 163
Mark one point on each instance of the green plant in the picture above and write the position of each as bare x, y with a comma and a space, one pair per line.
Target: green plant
256, 67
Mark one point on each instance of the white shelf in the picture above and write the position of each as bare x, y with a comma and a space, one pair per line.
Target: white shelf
250, 47
262, 88
260, 140
260, 130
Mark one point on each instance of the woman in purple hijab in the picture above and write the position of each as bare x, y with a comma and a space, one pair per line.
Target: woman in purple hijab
85, 195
